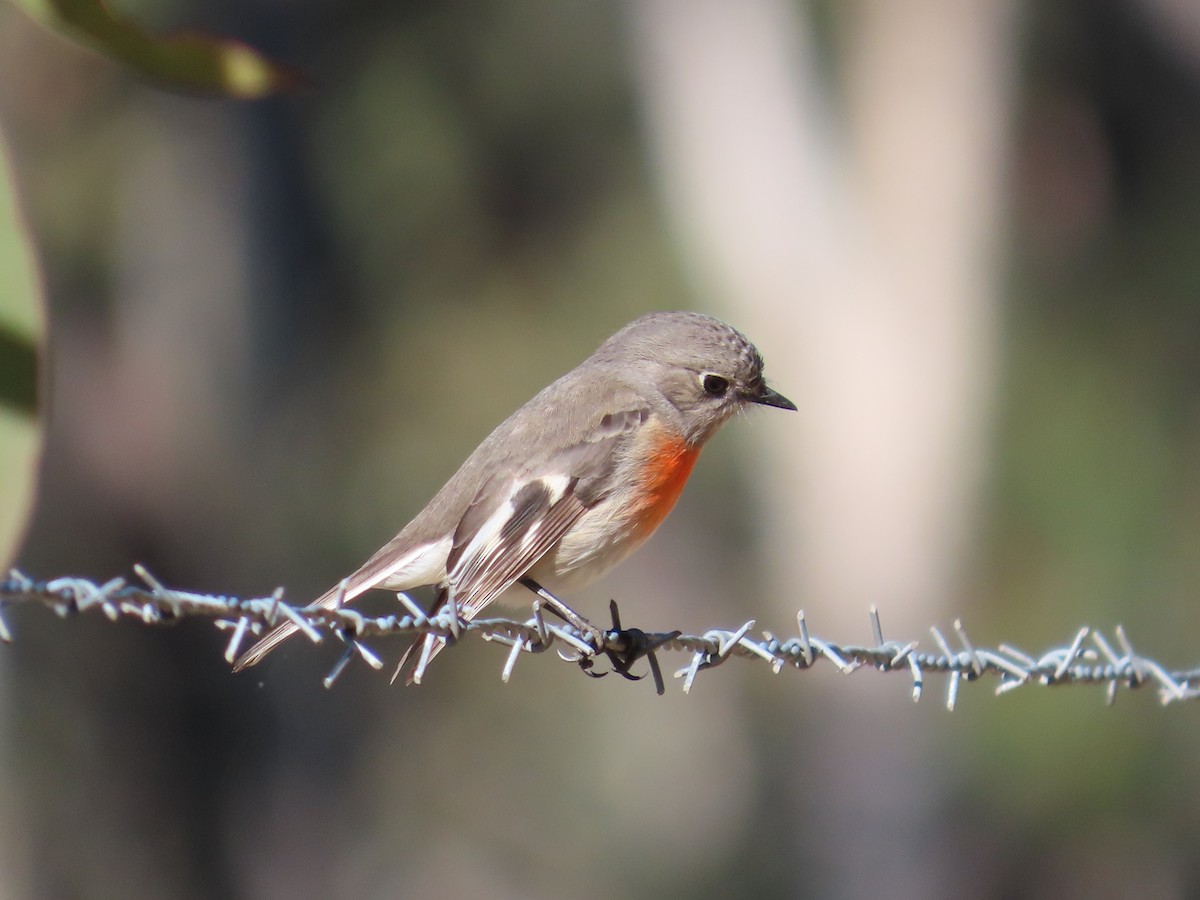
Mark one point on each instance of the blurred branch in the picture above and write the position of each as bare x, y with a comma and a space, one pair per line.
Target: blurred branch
1112, 663
191, 61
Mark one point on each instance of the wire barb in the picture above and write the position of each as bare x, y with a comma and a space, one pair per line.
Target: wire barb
1109, 661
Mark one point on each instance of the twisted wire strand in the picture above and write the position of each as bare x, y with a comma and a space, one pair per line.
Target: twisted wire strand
1089, 658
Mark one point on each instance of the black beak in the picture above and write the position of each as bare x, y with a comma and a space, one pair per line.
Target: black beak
768, 397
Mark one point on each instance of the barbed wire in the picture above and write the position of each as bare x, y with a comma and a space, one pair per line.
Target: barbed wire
1075, 662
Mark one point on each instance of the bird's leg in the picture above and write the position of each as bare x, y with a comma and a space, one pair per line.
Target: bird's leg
564, 612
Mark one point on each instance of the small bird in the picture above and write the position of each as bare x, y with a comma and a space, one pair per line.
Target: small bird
573, 481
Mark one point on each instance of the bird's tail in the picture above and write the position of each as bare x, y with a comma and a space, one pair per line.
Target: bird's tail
331, 599
417, 657
420, 653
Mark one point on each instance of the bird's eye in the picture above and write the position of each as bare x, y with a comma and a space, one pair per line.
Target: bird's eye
714, 385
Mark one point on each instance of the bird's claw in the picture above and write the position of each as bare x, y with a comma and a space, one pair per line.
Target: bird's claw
623, 647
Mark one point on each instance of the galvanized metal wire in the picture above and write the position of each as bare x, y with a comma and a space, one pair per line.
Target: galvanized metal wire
1090, 657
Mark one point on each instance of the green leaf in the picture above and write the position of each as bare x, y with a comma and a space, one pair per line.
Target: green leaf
21, 339
18, 372
190, 61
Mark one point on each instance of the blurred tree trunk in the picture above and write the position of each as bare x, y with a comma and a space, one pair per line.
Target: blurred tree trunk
862, 256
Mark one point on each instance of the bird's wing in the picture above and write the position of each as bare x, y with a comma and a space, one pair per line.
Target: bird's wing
513, 521
496, 544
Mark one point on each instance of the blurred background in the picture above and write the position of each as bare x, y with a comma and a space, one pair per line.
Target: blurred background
964, 235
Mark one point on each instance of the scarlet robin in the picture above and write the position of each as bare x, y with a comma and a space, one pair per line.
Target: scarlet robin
573, 481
